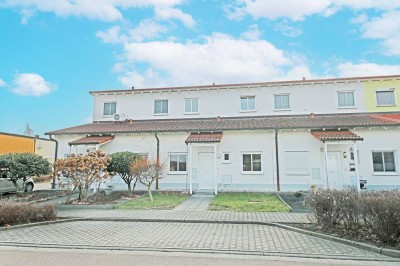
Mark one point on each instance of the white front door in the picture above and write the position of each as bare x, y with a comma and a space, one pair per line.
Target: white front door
334, 177
206, 170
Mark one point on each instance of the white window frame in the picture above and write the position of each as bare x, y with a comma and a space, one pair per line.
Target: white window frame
282, 109
395, 172
154, 106
261, 162
169, 165
386, 90
223, 157
247, 103
346, 106
112, 102
191, 106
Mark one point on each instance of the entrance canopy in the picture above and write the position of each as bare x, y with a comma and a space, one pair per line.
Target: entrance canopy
94, 140
335, 135
204, 137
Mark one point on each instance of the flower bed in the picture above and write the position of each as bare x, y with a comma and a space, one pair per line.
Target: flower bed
12, 213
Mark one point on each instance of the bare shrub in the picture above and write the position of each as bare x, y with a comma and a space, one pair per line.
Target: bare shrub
18, 213
381, 213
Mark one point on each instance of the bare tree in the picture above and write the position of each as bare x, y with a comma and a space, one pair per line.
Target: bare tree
146, 171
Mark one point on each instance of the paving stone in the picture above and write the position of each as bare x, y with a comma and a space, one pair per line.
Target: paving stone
196, 203
192, 236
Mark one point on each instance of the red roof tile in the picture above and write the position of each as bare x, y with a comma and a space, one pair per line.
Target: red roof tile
204, 137
332, 121
91, 140
335, 135
391, 117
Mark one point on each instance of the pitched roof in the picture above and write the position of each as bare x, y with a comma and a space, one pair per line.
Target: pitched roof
335, 135
332, 121
204, 137
269, 83
91, 140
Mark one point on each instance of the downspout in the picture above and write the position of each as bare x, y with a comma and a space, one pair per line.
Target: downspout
278, 183
158, 157
53, 182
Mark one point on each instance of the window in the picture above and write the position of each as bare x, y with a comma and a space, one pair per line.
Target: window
248, 103
110, 108
282, 102
251, 162
226, 157
384, 161
177, 163
385, 98
191, 106
346, 99
296, 163
161, 107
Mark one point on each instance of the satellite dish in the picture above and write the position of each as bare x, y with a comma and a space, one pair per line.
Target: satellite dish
116, 117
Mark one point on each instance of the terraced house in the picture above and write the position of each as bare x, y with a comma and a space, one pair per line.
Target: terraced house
281, 135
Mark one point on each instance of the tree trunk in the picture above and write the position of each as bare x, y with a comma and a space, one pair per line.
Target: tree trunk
129, 186
149, 191
134, 185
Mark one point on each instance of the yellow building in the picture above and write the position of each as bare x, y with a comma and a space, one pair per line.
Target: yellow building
382, 95
13, 143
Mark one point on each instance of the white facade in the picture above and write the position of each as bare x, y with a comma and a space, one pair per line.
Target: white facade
251, 160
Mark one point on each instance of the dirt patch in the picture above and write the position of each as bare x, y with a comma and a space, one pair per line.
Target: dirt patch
34, 196
360, 234
101, 198
295, 200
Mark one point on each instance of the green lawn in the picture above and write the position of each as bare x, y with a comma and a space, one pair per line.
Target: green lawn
161, 201
248, 202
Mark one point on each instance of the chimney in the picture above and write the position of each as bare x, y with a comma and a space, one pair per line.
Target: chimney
133, 87
213, 83
37, 136
304, 78
312, 115
218, 118
130, 121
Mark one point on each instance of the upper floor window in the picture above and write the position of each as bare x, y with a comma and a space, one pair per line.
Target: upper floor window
282, 102
177, 163
384, 161
346, 99
248, 103
160, 107
110, 108
191, 105
385, 98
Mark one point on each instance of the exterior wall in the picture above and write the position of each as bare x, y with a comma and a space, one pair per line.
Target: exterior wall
370, 89
304, 99
46, 149
11, 144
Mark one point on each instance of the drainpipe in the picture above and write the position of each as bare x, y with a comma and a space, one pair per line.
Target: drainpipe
158, 157
278, 183
53, 182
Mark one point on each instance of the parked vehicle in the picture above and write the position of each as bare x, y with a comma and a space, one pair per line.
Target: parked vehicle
6, 185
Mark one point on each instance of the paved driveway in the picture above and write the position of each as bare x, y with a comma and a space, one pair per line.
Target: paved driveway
254, 239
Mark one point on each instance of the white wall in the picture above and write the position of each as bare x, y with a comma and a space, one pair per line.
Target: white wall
46, 149
304, 99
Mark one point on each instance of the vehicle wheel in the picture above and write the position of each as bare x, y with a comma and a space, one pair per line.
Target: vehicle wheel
29, 187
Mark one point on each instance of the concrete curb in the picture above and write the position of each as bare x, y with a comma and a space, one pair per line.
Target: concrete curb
84, 207
383, 251
291, 209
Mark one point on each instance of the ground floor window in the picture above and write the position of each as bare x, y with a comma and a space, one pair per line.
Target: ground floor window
384, 161
251, 162
177, 163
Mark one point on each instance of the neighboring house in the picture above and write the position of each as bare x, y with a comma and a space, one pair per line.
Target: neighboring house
13, 143
285, 135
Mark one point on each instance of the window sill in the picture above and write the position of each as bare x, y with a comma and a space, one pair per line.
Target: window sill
177, 173
387, 105
195, 113
279, 110
252, 173
248, 111
226, 162
347, 107
385, 174
161, 114
107, 116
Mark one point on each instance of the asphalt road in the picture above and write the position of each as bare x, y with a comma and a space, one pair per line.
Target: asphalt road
12, 256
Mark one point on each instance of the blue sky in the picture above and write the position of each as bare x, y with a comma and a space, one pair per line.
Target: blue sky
52, 53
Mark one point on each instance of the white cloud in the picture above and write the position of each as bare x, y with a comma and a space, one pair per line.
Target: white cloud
385, 28
252, 34
350, 69
297, 10
106, 10
219, 58
286, 29
2, 83
31, 84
